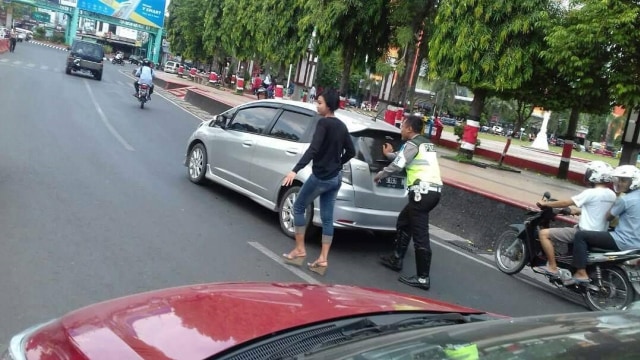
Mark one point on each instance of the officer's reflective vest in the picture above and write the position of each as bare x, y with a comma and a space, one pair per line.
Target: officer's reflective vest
424, 167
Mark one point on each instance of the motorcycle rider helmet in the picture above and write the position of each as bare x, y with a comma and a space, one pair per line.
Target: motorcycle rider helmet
598, 172
626, 174
146, 62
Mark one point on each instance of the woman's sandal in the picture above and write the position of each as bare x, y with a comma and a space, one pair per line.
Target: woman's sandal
317, 268
294, 258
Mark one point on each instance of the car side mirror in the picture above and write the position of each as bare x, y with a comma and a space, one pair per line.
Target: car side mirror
221, 121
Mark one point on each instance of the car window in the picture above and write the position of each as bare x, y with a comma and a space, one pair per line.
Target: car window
369, 144
291, 125
253, 120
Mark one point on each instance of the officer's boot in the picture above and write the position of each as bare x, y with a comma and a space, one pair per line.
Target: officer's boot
423, 265
394, 260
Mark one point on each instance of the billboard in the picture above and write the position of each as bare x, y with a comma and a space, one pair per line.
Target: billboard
145, 12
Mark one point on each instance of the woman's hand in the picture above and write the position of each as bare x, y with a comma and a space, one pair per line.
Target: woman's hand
288, 180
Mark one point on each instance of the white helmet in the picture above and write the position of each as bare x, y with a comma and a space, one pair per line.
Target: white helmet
627, 171
598, 172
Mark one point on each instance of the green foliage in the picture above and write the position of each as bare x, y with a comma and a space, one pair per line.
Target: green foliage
486, 44
107, 49
39, 33
58, 38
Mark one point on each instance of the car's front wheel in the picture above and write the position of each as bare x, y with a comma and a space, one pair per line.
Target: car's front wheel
285, 211
197, 164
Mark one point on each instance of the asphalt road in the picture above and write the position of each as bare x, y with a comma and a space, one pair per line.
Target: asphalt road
95, 204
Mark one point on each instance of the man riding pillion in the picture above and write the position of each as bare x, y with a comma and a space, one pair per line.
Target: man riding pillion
418, 157
145, 76
625, 236
592, 203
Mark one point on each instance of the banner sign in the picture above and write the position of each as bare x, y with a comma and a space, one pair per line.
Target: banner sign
69, 3
145, 12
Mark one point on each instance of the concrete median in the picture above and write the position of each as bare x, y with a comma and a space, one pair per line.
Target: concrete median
4, 45
202, 100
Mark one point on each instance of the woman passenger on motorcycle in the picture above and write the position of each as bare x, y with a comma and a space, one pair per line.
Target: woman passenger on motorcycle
626, 235
592, 203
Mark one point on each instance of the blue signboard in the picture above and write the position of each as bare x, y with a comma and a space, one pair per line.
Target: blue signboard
145, 12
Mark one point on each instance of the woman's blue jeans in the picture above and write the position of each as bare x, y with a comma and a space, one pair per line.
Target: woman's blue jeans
311, 189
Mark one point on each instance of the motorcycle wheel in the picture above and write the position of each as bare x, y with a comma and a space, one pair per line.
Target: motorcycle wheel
615, 293
141, 104
511, 254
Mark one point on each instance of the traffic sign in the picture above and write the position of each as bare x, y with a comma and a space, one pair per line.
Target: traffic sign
41, 17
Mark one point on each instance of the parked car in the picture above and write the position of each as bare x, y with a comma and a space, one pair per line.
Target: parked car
171, 67
237, 321
250, 148
497, 130
448, 121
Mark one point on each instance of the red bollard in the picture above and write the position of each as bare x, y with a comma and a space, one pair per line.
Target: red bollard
470, 135
438, 126
240, 86
279, 92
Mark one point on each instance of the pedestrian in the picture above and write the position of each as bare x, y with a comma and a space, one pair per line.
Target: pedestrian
418, 156
13, 40
331, 147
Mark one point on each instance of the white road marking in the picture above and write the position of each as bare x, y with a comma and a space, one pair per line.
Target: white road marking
44, 67
270, 254
17, 62
106, 122
4, 60
31, 65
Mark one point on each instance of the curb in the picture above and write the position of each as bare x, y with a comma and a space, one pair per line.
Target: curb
48, 45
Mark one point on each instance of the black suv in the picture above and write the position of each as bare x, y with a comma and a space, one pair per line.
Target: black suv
85, 56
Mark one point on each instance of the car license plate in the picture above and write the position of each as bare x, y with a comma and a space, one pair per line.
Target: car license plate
392, 182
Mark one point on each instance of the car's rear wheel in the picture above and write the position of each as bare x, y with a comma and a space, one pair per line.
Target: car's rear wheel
68, 70
197, 164
285, 212
98, 75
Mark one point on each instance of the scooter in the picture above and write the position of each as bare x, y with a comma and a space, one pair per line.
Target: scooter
143, 94
615, 275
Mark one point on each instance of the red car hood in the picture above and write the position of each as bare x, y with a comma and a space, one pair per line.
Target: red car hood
194, 322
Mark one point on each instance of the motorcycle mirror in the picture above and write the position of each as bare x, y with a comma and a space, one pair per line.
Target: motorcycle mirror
547, 195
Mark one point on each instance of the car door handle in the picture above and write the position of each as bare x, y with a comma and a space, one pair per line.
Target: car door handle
291, 151
247, 143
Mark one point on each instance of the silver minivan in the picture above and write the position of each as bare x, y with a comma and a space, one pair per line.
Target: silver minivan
250, 149
171, 67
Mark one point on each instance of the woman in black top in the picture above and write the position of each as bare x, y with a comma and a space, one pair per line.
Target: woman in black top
330, 148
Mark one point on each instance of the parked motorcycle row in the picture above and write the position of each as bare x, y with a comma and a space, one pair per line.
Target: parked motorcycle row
615, 275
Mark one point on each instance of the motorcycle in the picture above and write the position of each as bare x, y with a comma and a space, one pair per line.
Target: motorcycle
143, 94
614, 275
117, 61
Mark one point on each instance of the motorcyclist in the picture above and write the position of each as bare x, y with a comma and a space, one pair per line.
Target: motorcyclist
145, 75
592, 204
625, 236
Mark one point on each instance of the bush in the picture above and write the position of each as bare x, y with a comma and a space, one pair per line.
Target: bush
107, 49
39, 33
58, 39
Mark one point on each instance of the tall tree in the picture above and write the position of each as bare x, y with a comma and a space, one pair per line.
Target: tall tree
486, 45
611, 29
584, 67
358, 28
185, 28
411, 24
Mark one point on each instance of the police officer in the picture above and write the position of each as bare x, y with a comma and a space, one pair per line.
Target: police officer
418, 157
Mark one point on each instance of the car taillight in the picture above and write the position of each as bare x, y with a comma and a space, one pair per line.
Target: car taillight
346, 173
